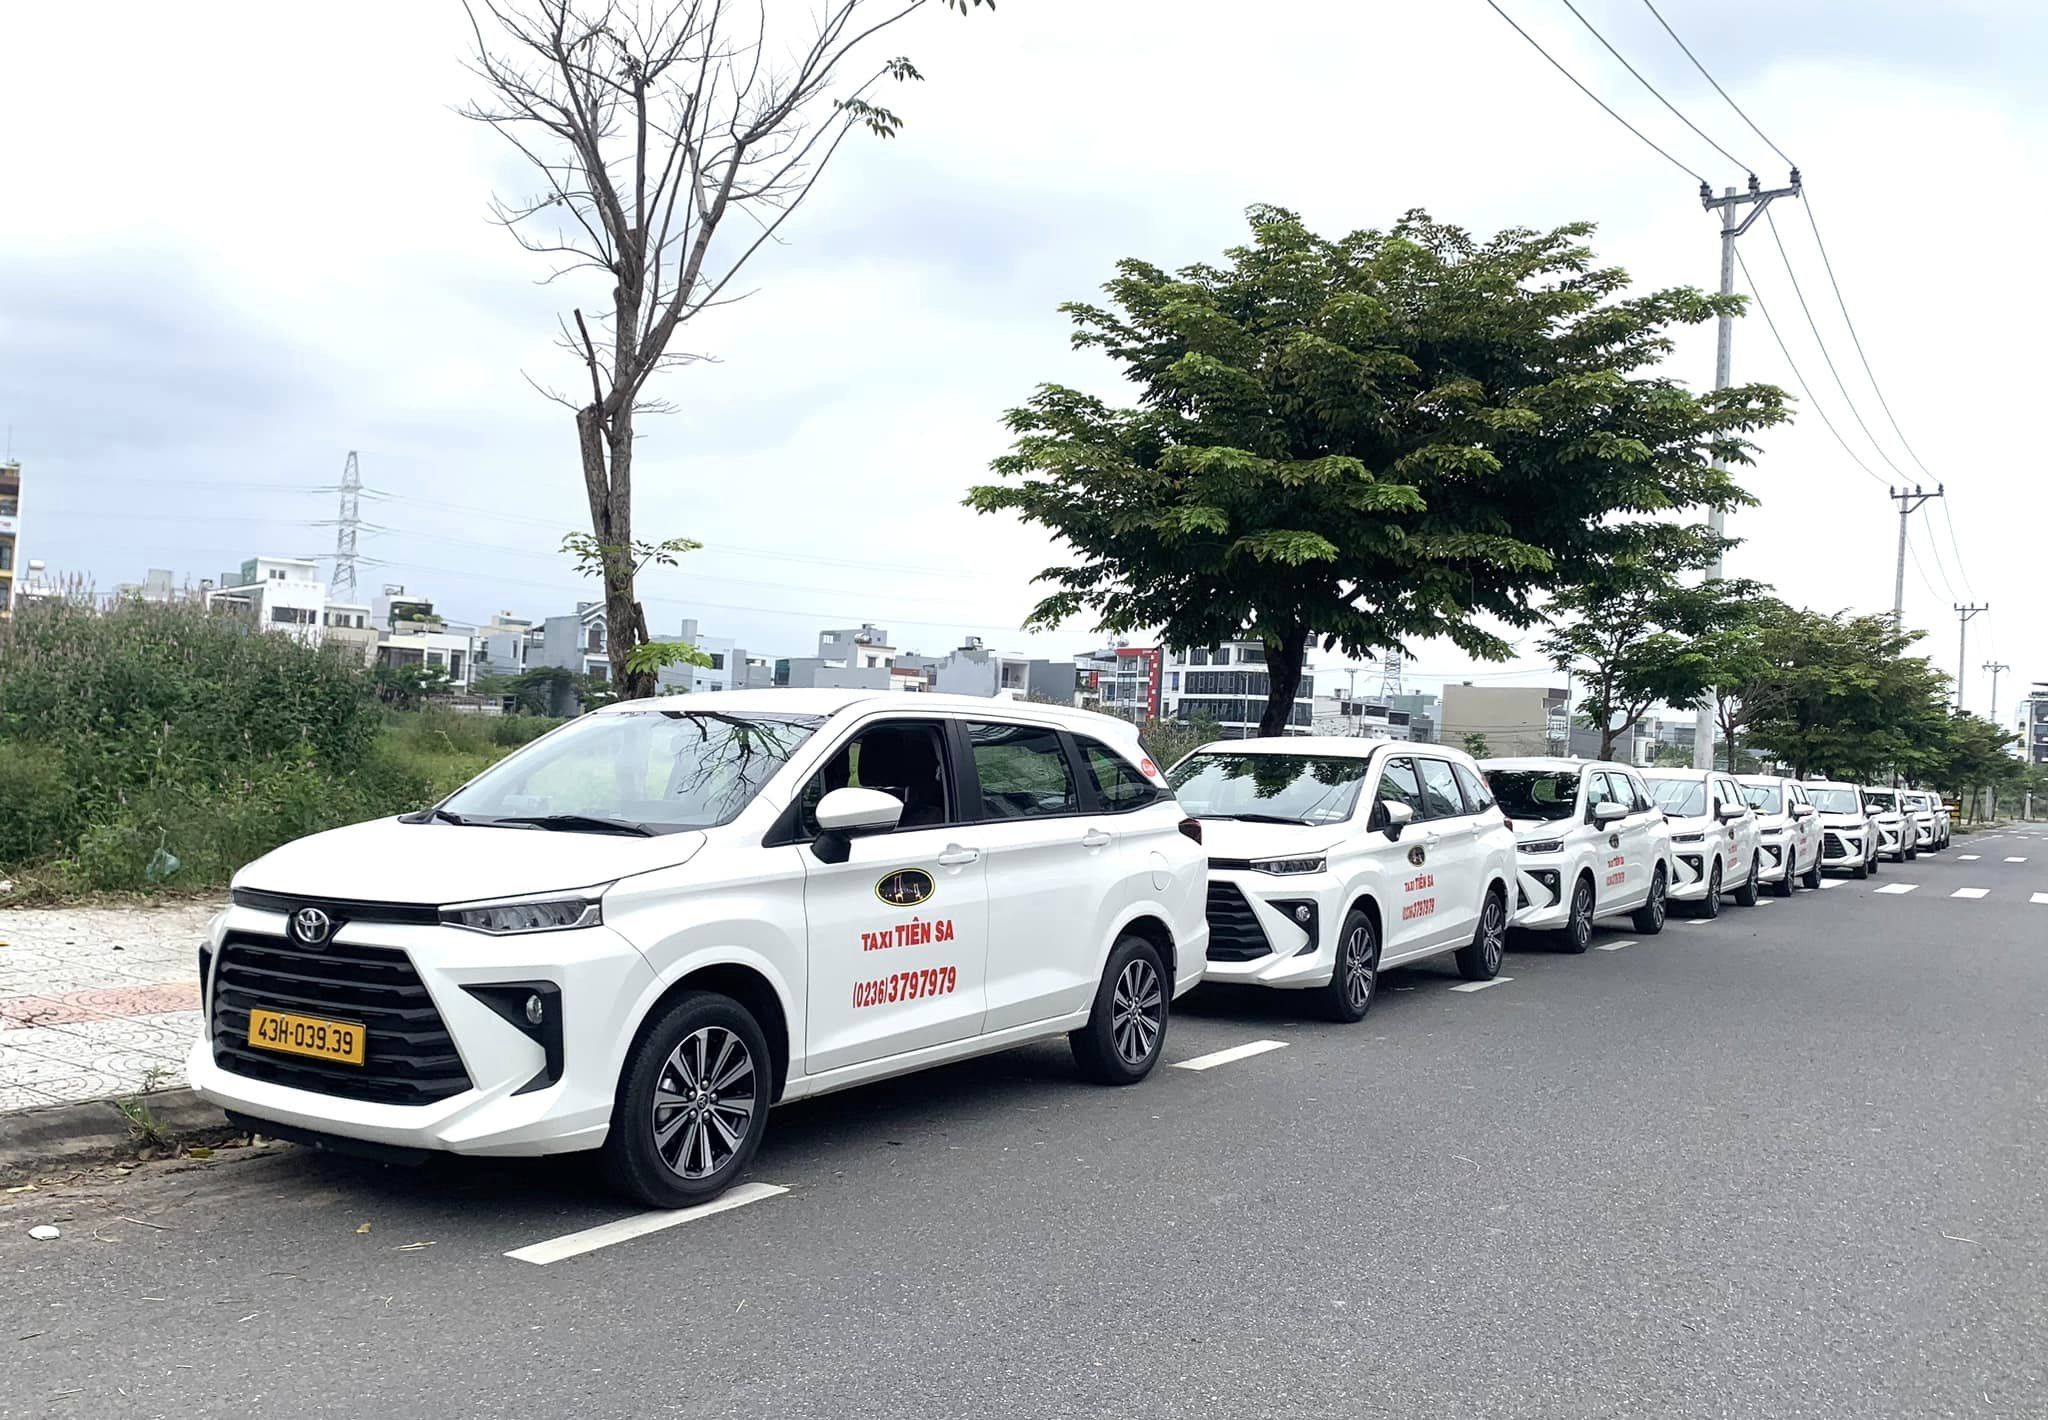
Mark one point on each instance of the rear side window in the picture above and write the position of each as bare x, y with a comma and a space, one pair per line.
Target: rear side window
1440, 790
1023, 771
1477, 800
1118, 784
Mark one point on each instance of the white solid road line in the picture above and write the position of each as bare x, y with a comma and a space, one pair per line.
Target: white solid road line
640, 1225
1482, 985
1898, 887
1613, 946
1224, 1057
1971, 892
2015, 860
1968, 857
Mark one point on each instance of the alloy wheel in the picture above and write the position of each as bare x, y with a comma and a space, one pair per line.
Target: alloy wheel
1582, 913
1137, 1011
1658, 890
1361, 969
1493, 931
704, 1101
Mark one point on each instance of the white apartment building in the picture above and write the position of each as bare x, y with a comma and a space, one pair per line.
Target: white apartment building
283, 594
1228, 684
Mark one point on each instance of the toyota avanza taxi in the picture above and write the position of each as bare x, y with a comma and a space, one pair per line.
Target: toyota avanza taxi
645, 928
1589, 842
1893, 824
1849, 839
1714, 837
1331, 859
1788, 828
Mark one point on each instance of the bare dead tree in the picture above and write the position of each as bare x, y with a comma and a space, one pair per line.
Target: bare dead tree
652, 124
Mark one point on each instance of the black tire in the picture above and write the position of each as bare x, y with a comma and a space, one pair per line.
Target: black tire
1907, 855
1127, 1029
1811, 881
1876, 862
1355, 977
1709, 907
1862, 870
1648, 920
1480, 960
1783, 886
635, 1157
1578, 930
1751, 892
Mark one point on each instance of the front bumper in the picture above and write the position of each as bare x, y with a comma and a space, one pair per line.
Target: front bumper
1257, 937
1691, 871
1542, 894
1923, 835
1889, 837
506, 1107
1843, 849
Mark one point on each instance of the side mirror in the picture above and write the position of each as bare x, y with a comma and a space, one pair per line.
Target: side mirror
1732, 812
1609, 811
1395, 816
847, 814
1802, 811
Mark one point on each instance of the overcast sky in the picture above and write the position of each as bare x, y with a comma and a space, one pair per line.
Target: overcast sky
241, 240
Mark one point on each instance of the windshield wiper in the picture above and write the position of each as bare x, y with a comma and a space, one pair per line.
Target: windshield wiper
429, 815
573, 823
1257, 818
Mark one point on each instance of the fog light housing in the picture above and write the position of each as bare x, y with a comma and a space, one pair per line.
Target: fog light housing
534, 1009
1305, 916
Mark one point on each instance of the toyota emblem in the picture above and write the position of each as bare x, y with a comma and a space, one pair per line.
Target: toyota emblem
311, 926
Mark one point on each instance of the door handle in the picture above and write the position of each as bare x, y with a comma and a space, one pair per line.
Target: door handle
958, 857
1094, 838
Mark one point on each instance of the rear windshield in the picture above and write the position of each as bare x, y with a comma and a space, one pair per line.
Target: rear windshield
1535, 793
1767, 797
1835, 801
1682, 798
1290, 788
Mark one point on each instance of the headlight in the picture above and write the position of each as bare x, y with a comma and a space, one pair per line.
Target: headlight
1688, 838
1542, 845
1289, 867
501, 919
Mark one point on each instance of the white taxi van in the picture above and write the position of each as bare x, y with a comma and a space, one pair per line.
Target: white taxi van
1789, 829
645, 928
1332, 859
1893, 824
1589, 842
1848, 831
1714, 838
1931, 818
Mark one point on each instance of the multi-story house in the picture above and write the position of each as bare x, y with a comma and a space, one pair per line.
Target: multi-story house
1229, 685
10, 532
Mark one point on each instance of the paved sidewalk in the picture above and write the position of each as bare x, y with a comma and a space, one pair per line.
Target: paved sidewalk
97, 1001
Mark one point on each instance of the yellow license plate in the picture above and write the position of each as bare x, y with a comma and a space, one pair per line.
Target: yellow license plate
307, 1035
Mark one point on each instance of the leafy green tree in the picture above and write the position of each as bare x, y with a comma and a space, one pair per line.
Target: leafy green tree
1476, 745
1170, 741
1634, 636
1848, 700
1366, 440
408, 687
1973, 762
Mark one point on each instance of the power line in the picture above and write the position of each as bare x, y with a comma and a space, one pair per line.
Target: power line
1813, 326
1746, 167
1717, 86
1591, 95
1962, 567
1799, 379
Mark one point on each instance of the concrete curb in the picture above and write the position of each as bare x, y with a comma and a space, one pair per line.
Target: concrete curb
95, 1129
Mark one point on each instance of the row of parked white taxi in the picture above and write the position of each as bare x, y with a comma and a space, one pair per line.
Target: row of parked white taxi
641, 931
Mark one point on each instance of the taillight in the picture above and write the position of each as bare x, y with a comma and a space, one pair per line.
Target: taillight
1191, 828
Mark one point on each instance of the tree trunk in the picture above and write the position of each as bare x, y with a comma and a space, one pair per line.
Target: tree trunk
607, 452
1607, 734
1283, 679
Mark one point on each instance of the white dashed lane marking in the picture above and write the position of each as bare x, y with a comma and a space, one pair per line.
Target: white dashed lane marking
2015, 860
1968, 857
1482, 985
2039, 899
1898, 887
640, 1225
1224, 1057
1830, 883
1613, 946
1971, 892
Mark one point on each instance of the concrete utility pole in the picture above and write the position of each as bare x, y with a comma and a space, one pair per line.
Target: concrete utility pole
1995, 667
1964, 614
1728, 204
1908, 501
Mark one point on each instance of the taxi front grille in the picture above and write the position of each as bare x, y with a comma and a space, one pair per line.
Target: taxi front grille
1234, 930
1832, 845
409, 1057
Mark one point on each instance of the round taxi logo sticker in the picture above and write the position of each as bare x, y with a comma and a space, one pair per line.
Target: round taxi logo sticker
1415, 855
1614, 840
906, 887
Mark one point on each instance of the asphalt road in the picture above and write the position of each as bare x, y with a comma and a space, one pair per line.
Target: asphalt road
1786, 1163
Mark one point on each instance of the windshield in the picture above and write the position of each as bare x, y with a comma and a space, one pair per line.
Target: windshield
1294, 788
1919, 801
1535, 793
1681, 798
653, 770
1767, 797
1835, 801
1883, 800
